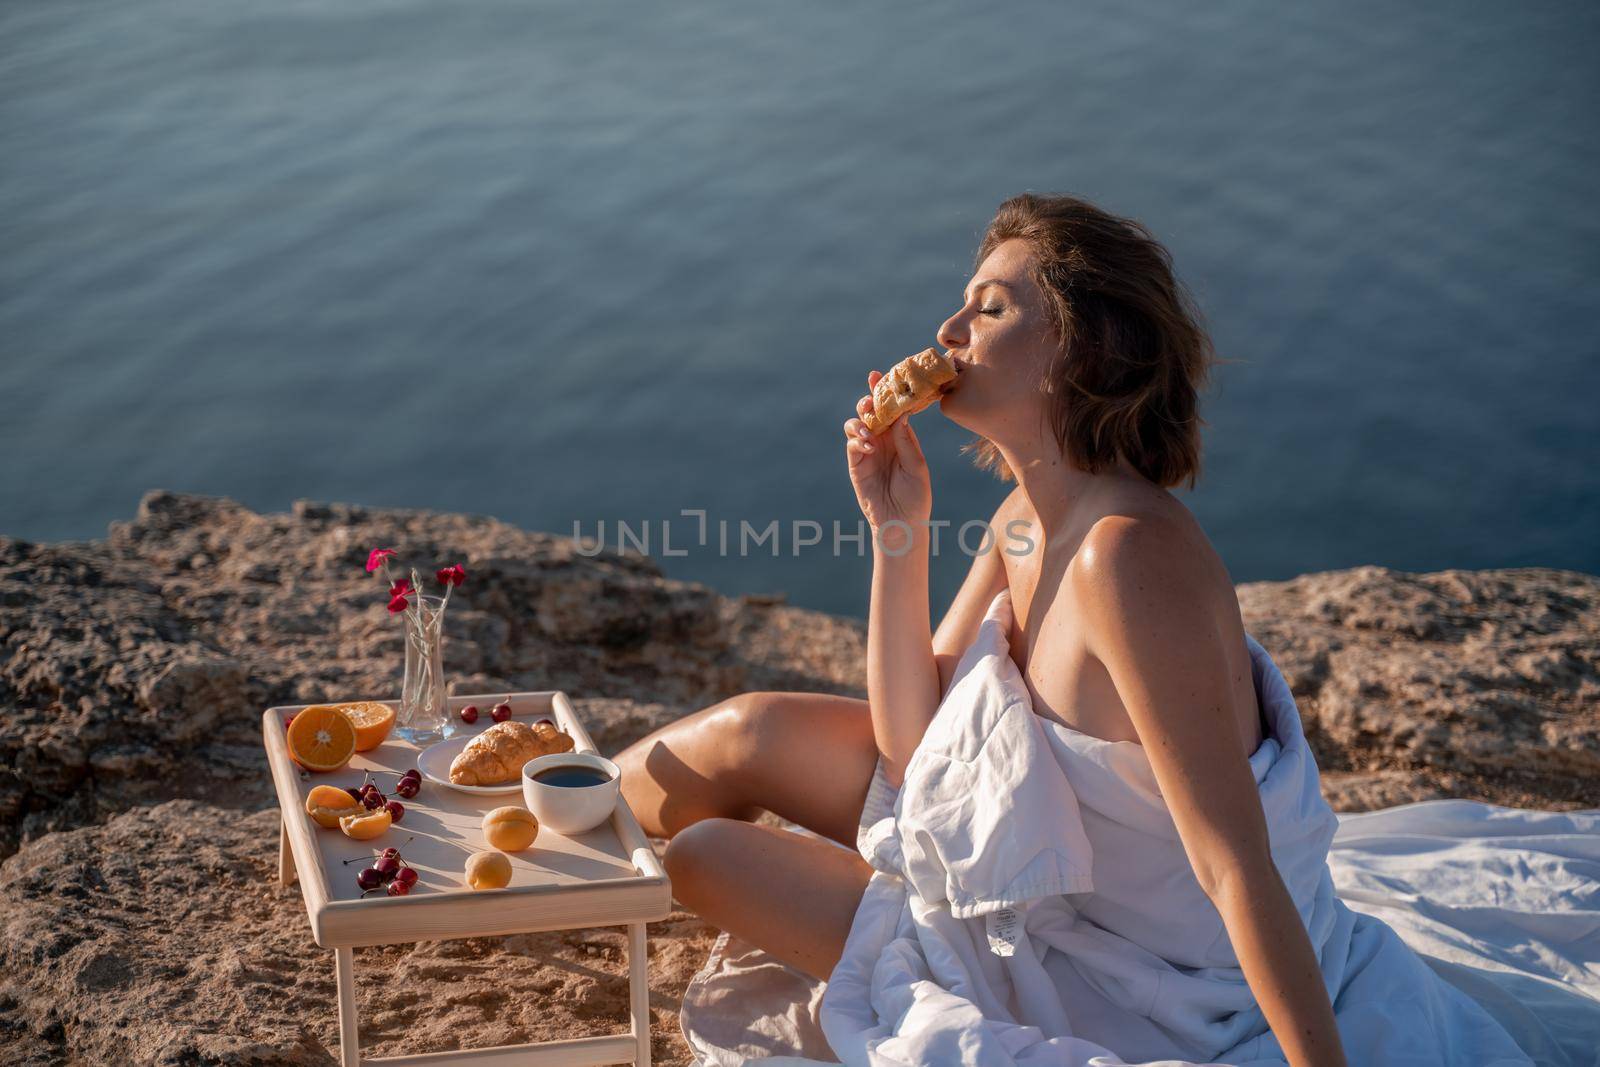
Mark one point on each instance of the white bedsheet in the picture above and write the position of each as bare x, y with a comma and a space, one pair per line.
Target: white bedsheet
1031, 904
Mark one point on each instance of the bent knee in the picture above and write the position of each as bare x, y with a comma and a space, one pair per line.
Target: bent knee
745, 721
765, 715
694, 853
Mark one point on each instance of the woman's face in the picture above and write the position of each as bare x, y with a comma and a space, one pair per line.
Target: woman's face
1004, 338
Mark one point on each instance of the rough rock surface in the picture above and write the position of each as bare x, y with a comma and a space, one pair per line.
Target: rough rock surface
141, 919
1480, 684
131, 666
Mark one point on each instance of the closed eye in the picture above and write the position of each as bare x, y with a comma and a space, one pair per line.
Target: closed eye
991, 310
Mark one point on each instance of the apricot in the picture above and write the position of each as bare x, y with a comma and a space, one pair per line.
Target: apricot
327, 804
367, 824
488, 870
510, 829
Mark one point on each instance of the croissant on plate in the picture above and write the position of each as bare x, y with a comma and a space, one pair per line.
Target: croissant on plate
496, 756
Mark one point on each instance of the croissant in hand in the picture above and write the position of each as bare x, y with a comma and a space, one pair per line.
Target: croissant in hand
496, 756
912, 384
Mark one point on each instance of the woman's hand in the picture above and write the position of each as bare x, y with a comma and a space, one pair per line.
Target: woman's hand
888, 471
891, 480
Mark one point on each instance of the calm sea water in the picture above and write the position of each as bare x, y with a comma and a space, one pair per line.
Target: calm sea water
564, 263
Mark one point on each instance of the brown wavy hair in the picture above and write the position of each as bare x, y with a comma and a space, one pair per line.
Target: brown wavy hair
1133, 357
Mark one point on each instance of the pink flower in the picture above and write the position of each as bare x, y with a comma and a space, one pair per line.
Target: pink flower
451, 575
378, 558
397, 604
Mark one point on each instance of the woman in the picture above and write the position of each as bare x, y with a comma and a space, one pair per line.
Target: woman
1081, 364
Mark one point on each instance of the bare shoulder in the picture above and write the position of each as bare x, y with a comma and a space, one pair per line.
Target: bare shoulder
1147, 534
1158, 605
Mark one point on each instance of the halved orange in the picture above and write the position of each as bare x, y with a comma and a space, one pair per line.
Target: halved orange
372, 721
321, 738
328, 803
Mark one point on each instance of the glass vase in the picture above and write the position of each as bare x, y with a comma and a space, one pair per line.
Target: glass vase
424, 713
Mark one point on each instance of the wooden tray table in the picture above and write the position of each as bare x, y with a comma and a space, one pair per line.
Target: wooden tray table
608, 876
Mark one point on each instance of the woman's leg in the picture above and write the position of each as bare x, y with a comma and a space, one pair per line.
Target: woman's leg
792, 895
807, 757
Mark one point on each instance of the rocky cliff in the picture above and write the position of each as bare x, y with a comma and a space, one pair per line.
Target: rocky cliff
142, 920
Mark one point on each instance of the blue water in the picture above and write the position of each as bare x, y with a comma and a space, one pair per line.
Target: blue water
523, 258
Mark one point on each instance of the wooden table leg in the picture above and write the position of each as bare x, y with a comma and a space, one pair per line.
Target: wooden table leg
639, 991
286, 872
349, 1040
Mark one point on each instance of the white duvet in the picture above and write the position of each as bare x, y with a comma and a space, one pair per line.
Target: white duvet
1032, 904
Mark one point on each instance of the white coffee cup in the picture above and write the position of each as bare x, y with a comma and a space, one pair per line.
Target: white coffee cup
571, 809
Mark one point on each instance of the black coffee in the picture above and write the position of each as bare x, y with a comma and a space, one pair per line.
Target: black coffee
571, 776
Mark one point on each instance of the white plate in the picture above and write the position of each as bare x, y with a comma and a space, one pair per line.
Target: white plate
434, 763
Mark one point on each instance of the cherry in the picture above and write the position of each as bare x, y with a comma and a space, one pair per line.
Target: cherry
405, 874
369, 878
407, 788
387, 865
501, 712
546, 718
372, 801
353, 791
390, 853
397, 888
413, 773
397, 810
469, 714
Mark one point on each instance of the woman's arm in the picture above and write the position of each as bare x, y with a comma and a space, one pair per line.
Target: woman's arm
902, 677
890, 476
897, 633
1149, 620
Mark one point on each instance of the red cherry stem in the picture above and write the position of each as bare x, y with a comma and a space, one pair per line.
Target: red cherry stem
352, 859
398, 775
